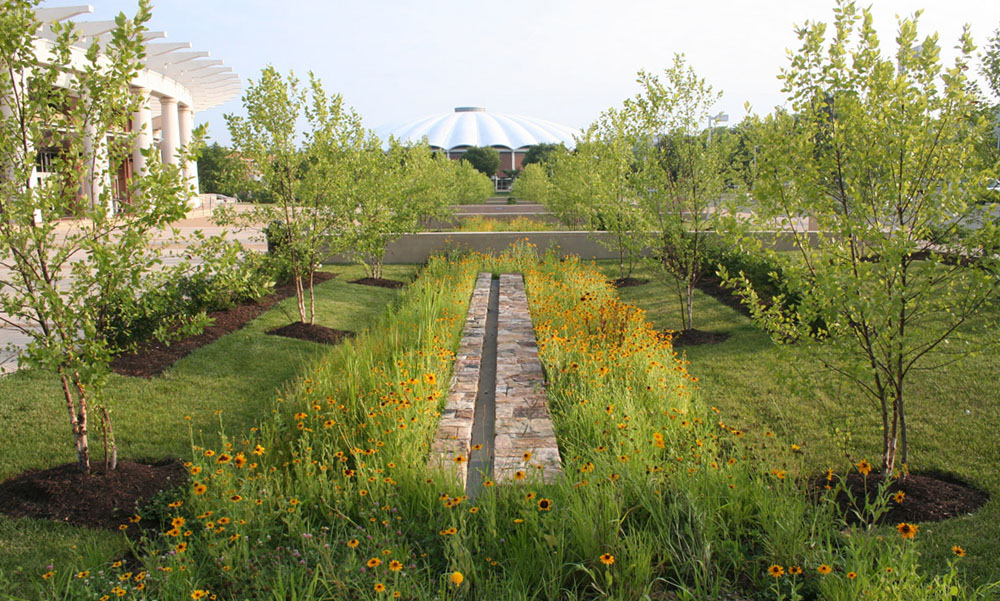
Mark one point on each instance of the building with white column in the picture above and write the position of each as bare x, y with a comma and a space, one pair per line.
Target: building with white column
174, 85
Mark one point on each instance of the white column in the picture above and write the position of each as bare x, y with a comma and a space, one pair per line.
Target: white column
142, 126
190, 168
169, 130
96, 180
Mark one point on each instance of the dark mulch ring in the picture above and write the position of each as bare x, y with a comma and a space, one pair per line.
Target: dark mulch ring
153, 357
99, 500
696, 337
712, 286
379, 282
311, 332
628, 282
927, 497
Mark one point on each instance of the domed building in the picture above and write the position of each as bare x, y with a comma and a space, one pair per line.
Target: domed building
468, 126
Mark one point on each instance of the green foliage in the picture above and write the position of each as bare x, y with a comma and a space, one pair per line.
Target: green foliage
541, 154
533, 184
65, 280
469, 185
221, 171
485, 159
889, 299
312, 183
393, 192
680, 174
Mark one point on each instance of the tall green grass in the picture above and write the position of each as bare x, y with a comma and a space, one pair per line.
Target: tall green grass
661, 496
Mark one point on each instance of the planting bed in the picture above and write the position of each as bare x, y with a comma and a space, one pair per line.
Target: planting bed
153, 357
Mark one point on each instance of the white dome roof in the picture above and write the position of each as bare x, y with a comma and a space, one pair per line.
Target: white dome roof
473, 126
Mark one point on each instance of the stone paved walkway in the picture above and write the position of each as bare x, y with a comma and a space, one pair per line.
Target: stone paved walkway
524, 442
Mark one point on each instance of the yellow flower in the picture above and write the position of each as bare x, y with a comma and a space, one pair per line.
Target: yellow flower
544, 505
379, 587
199, 594
607, 559
824, 569
86, 573
794, 571
519, 475
899, 496
852, 575
864, 467
374, 562
776, 571
395, 566
958, 551
456, 578
175, 504
258, 450
199, 488
353, 543
907, 530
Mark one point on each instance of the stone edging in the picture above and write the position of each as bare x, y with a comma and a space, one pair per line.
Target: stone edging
452, 443
523, 424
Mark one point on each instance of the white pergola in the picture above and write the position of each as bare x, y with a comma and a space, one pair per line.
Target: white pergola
180, 80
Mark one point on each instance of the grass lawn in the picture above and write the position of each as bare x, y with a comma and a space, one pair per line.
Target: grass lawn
760, 386
223, 385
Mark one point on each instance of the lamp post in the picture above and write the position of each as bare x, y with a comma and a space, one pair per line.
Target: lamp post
722, 117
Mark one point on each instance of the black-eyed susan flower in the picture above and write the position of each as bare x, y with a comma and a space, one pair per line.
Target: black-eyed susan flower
519, 475
794, 571
899, 496
607, 559
199, 488
776, 571
353, 543
852, 575
544, 504
907, 530
379, 587
959, 551
824, 569
864, 467
395, 566
374, 562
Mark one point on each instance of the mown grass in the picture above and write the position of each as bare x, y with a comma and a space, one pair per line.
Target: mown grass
225, 385
953, 413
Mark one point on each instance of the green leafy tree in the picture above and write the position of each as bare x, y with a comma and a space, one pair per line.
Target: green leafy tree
310, 182
62, 279
470, 186
485, 159
393, 192
881, 151
533, 184
221, 171
594, 184
680, 175
542, 153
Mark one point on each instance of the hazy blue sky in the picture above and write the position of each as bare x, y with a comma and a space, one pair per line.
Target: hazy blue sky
561, 60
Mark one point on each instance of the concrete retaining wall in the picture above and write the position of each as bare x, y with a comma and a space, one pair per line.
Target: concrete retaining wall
417, 248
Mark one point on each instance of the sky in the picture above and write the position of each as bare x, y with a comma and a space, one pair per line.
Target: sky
560, 60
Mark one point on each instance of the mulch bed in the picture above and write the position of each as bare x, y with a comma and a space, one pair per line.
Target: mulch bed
628, 282
379, 282
153, 357
696, 337
311, 332
712, 286
929, 497
99, 500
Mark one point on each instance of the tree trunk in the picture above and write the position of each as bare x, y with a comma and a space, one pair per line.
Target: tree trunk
300, 295
312, 298
109, 441
690, 307
78, 422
